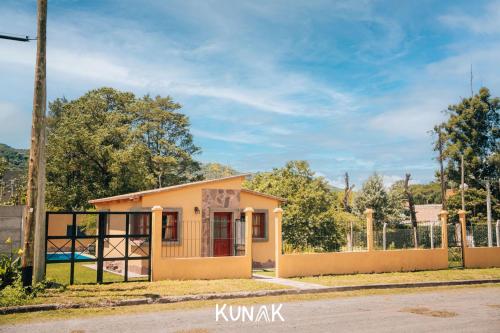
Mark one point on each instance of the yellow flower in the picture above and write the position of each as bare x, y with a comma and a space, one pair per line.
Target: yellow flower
8, 241
20, 252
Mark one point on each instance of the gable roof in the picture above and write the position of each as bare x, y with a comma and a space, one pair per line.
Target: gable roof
136, 195
269, 196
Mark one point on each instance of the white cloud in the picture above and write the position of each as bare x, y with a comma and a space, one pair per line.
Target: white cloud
488, 23
243, 138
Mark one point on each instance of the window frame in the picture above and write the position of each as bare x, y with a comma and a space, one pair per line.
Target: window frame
177, 241
266, 224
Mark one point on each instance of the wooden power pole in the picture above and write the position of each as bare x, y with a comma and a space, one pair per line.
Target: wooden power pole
35, 199
488, 213
462, 181
441, 170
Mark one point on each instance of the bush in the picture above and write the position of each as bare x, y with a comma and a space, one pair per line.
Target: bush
16, 294
9, 268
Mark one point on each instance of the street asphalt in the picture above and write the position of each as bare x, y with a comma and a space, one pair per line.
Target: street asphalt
446, 310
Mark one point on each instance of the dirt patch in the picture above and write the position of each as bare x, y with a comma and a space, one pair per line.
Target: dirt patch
431, 313
495, 306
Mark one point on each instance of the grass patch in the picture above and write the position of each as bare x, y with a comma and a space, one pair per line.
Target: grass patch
93, 294
406, 277
23, 318
60, 273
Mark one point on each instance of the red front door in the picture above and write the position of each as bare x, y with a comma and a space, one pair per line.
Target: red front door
223, 234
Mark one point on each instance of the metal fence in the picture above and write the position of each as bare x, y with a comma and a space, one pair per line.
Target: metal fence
477, 235
90, 247
427, 235
203, 238
351, 238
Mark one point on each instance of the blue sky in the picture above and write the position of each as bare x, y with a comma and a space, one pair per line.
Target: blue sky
347, 85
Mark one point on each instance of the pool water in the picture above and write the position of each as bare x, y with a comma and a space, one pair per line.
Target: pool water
67, 256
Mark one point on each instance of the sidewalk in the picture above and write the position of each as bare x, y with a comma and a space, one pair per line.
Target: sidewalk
287, 282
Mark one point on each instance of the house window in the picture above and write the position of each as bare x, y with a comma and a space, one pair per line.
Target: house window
139, 224
170, 226
259, 225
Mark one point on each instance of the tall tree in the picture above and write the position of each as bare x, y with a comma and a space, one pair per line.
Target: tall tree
217, 170
347, 193
473, 129
109, 142
411, 207
313, 213
424, 194
475, 206
387, 205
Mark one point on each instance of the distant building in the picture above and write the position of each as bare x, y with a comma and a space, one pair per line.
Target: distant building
427, 213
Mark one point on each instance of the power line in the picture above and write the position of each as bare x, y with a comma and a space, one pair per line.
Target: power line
18, 38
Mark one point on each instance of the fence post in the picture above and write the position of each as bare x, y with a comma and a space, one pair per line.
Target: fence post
432, 235
498, 233
278, 243
444, 228
461, 218
155, 260
384, 236
351, 240
369, 229
248, 235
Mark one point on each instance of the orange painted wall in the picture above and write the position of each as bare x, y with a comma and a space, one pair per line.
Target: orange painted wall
186, 199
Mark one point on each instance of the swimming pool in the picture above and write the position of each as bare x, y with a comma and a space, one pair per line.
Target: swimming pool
67, 256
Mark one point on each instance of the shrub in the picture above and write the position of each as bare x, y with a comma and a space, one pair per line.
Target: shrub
9, 268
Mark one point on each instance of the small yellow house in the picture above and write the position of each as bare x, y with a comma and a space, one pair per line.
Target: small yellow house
202, 219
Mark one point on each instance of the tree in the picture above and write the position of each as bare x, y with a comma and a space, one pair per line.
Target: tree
3, 167
475, 206
411, 208
425, 194
387, 205
347, 194
473, 130
109, 142
217, 170
313, 214
163, 137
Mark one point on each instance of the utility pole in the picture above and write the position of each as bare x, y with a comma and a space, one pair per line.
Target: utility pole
488, 213
35, 199
462, 181
441, 167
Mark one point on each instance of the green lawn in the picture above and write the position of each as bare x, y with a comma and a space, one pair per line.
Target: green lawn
95, 293
442, 275
60, 273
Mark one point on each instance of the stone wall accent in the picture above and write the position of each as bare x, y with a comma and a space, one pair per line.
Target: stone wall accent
211, 200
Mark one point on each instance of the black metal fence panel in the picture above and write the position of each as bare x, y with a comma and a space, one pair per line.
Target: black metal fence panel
201, 238
98, 247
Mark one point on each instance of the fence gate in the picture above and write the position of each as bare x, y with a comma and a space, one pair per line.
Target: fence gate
455, 254
98, 247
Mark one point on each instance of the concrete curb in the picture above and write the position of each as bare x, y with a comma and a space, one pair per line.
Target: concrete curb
243, 294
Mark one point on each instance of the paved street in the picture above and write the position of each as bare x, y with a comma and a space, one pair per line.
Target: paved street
474, 309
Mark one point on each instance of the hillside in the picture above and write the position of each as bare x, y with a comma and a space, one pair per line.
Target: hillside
17, 159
